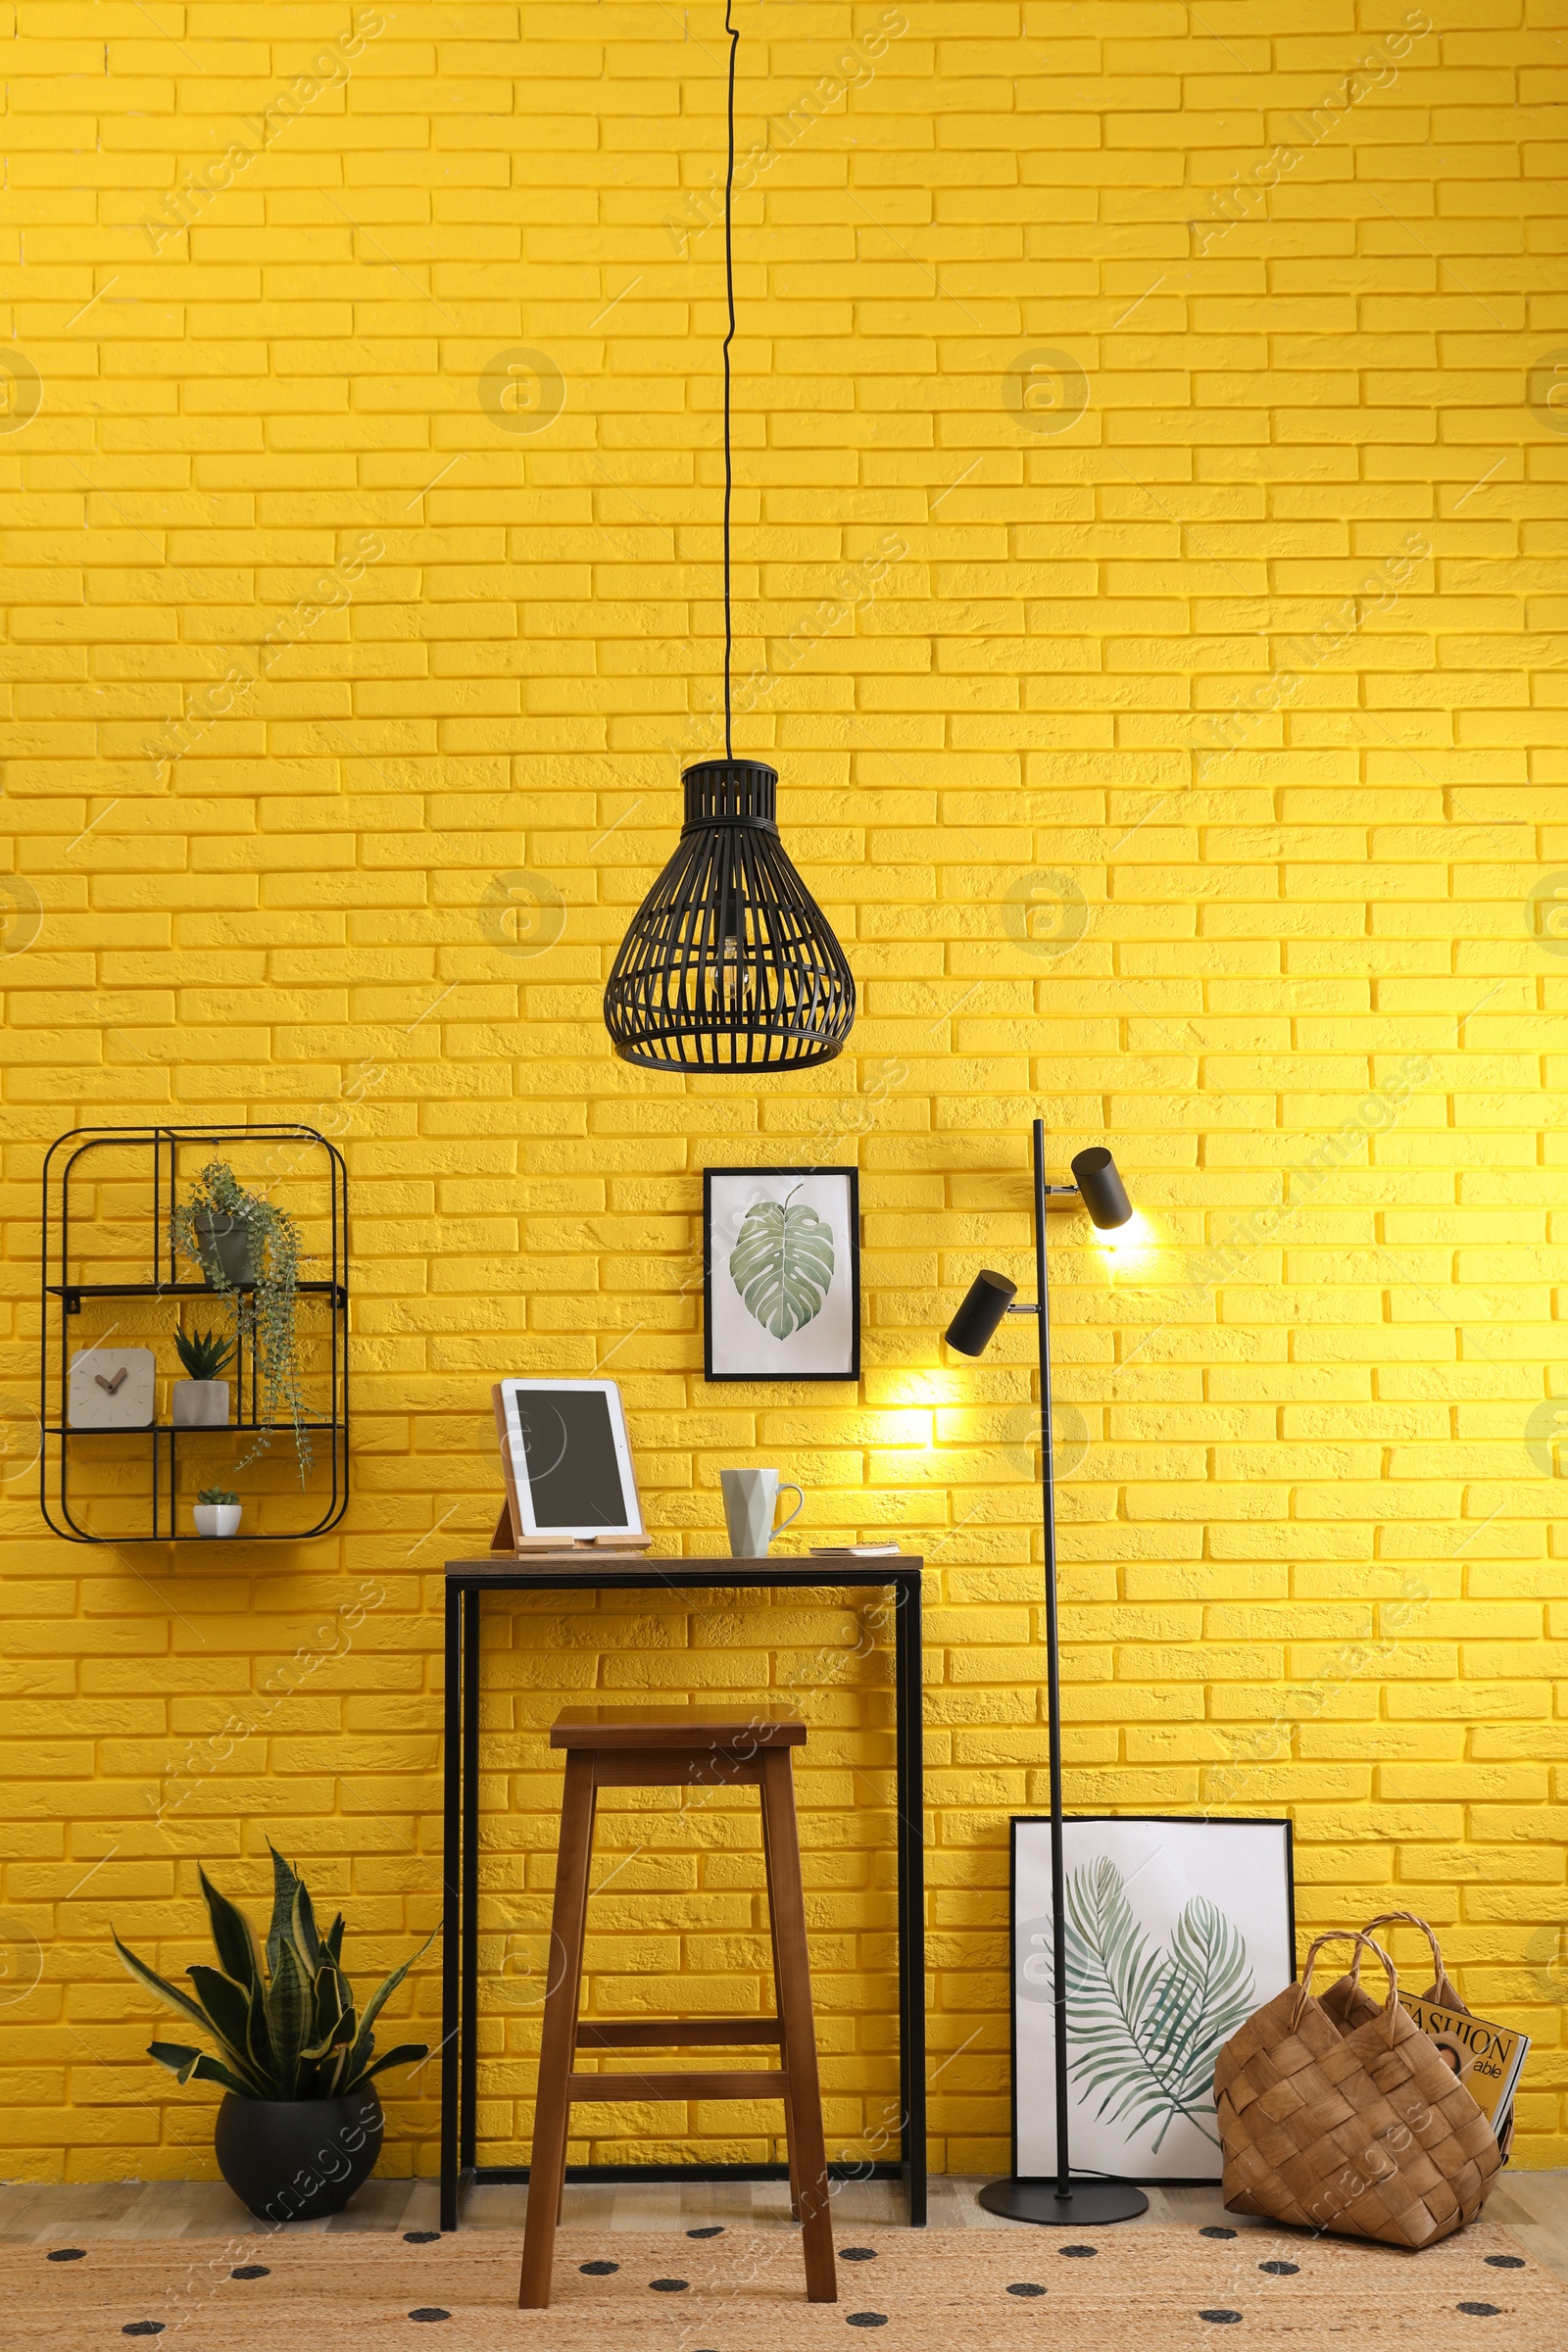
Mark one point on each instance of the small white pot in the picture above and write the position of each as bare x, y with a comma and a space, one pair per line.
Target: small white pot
217, 1518
199, 1404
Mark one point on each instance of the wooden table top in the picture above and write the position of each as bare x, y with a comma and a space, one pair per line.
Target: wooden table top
592, 1565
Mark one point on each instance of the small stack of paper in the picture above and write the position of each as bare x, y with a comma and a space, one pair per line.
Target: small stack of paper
855, 1551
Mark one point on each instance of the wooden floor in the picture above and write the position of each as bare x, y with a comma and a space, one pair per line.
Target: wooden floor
1533, 2205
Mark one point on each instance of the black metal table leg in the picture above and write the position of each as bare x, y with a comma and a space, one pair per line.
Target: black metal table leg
451, 1901
908, 1669
470, 2003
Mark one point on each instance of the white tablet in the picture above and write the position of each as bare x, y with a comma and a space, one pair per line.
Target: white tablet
570, 1458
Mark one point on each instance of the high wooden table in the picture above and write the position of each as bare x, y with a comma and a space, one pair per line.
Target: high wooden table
468, 1583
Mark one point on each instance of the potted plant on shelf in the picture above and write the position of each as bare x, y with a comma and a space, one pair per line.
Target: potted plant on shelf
300, 2126
202, 1401
222, 1228
218, 1511
224, 1243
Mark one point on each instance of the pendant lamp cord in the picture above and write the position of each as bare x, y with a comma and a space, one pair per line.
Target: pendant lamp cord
729, 290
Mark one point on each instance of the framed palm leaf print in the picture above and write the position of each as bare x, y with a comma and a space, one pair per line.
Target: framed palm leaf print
1176, 1932
781, 1274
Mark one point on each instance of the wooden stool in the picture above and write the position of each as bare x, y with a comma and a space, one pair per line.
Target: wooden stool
653, 1747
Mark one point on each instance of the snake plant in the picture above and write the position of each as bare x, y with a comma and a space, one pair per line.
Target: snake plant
292, 2034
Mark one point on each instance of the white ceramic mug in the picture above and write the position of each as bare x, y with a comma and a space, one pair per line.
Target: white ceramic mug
751, 1497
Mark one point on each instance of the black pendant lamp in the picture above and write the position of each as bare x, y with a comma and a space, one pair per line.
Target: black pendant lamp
729, 963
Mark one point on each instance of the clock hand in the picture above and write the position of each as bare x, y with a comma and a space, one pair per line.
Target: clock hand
111, 1385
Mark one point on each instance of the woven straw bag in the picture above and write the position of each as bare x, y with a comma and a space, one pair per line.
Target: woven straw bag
1359, 2130
1349, 2005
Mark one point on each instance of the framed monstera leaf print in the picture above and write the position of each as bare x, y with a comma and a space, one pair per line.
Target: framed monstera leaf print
781, 1274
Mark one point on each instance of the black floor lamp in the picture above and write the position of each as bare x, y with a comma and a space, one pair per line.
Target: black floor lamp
1061, 2200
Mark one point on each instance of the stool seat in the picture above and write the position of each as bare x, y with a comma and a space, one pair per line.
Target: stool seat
737, 1745
767, 1725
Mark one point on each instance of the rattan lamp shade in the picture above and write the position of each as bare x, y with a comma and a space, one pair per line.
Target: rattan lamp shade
729, 963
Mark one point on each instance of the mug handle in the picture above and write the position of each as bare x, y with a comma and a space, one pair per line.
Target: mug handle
788, 1487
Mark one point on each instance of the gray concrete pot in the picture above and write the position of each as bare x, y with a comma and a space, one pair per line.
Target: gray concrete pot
225, 1242
199, 1404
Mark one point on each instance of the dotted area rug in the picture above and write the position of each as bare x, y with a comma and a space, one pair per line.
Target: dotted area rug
736, 2291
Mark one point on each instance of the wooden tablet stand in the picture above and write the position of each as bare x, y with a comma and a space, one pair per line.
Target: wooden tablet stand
506, 1540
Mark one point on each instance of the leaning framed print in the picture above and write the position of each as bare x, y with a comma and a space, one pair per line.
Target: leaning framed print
1177, 1930
781, 1274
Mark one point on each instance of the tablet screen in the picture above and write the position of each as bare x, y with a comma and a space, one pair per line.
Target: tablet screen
568, 1452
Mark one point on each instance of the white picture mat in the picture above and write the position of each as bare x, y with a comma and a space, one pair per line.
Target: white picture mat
511, 1393
1242, 1866
738, 1345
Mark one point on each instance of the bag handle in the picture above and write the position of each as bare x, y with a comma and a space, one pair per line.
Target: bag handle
1347, 1936
1443, 1989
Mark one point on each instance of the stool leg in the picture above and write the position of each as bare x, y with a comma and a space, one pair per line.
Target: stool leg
789, 2104
800, 2033
547, 2167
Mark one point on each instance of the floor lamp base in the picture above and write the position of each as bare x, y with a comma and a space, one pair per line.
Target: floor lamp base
1087, 2204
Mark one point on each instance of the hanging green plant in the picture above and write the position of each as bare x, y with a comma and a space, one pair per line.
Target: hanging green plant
248, 1247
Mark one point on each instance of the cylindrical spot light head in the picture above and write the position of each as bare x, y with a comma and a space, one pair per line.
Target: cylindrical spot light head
1105, 1196
985, 1302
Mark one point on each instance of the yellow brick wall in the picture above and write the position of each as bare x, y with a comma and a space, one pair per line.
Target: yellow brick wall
1148, 512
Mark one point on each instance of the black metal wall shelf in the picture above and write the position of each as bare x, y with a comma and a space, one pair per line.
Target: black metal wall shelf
141, 1168
74, 1293
174, 1429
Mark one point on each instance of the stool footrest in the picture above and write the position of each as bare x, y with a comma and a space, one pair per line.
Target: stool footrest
762, 2083
676, 2033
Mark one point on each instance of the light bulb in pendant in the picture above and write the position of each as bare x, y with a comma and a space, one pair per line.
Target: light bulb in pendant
734, 981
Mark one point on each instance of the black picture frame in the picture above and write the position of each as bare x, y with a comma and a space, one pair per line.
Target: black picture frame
715, 1209
1220, 1821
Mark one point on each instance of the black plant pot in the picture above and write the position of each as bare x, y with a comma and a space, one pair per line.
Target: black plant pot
296, 2160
